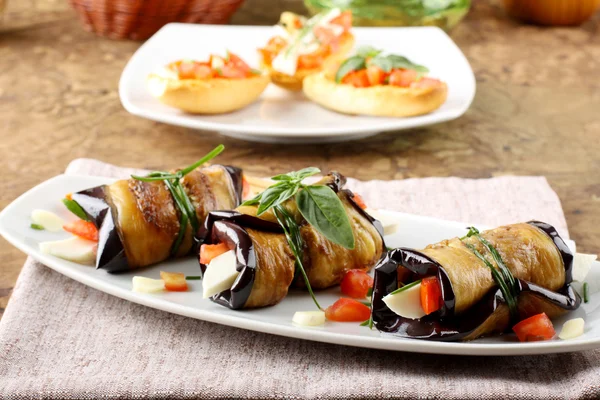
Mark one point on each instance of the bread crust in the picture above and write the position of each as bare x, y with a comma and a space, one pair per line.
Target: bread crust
381, 100
207, 96
294, 82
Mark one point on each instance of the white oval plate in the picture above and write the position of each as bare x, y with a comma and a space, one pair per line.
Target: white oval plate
282, 116
415, 231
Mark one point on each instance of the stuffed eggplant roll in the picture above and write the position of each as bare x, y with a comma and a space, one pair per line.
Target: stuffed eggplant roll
140, 221
264, 260
483, 283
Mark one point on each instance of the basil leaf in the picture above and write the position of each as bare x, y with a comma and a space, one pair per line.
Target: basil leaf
383, 63
321, 207
75, 208
405, 63
270, 196
351, 64
368, 51
305, 173
282, 177
252, 202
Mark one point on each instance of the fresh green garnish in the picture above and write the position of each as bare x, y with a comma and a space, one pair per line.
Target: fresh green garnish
405, 287
502, 275
368, 322
294, 239
586, 292
75, 208
37, 227
368, 51
318, 204
370, 292
353, 63
193, 278
368, 55
180, 197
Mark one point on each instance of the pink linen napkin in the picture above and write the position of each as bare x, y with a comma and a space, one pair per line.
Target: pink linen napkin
61, 339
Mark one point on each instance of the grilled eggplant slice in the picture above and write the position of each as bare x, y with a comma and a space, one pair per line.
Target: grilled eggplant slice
473, 305
138, 221
266, 262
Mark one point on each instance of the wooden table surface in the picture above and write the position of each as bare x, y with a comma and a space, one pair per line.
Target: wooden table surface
536, 112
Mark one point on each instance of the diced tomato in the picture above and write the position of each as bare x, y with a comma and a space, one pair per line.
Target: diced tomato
426, 83
314, 59
323, 34
83, 229
402, 77
359, 201
431, 295
356, 283
344, 20
174, 281
186, 70
238, 63
210, 251
231, 72
357, 79
245, 189
347, 310
203, 71
536, 328
376, 75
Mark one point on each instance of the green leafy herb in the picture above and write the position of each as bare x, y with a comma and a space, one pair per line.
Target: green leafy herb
368, 51
405, 63
586, 292
353, 63
368, 55
369, 322
292, 234
323, 209
406, 287
37, 227
193, 278
366, 303
180, 197
370, 292
75, 208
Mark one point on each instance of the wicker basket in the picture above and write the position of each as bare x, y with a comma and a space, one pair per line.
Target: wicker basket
140, 19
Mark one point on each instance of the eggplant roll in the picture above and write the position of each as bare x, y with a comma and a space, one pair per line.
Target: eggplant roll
472, 304
266, 262
138, 222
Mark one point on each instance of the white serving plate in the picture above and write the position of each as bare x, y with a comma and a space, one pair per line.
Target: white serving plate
415, 231
282, 116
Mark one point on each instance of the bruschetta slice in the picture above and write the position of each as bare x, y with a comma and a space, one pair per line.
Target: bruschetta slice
216, 86
305, 46
370, 83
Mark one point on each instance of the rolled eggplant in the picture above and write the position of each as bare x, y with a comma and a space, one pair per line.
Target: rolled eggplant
265, 262
139, 222
471, 303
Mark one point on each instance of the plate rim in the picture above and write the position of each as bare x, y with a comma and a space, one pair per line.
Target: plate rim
266, 131
305, 333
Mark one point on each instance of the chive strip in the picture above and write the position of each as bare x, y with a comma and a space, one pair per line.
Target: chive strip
292, 234
37, 227
368, 322
180, 197
506, 292
508, 276
405, 287
586, 292
193, 278
75, 208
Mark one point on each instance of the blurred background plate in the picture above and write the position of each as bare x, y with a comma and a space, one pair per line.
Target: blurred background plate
281, 116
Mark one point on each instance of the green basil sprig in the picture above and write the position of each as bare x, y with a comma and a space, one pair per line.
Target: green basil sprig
180, 197
75, 208
368, 55
319, 205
